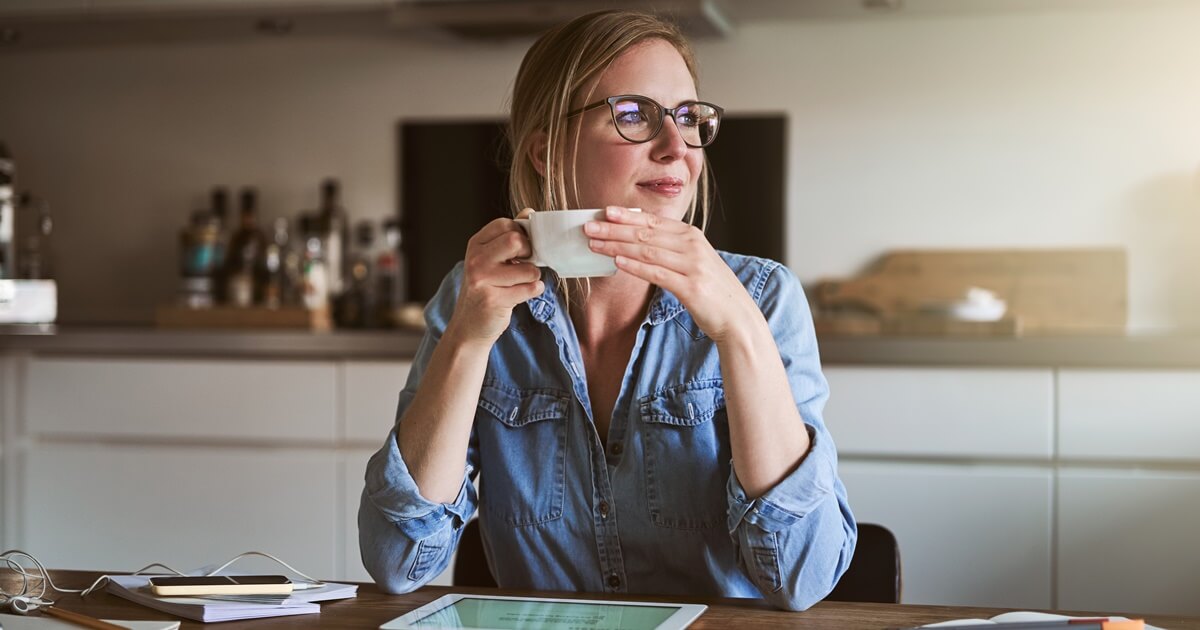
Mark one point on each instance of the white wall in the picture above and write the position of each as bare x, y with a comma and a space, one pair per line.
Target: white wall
1025, 128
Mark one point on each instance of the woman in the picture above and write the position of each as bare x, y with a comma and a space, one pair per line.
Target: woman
661, 435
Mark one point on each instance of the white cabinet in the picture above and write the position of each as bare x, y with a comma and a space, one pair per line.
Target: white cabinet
268, 401
941, 412
128, 461
968, 535
1130, 415
1128, 541
354, 463
372, 393
121, 507
946, 516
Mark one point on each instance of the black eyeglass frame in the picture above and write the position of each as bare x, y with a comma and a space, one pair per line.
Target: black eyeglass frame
666, 111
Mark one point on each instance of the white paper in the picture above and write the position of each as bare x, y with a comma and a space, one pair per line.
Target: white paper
1022, 616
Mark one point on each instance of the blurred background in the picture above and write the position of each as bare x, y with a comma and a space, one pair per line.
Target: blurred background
994, 206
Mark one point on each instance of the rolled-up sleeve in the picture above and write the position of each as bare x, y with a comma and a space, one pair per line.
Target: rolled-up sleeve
406, 540
796, 540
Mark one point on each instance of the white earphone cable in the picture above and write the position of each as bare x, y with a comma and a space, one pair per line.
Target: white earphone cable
12, 558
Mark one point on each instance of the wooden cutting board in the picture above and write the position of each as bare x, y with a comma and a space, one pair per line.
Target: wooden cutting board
1049, 291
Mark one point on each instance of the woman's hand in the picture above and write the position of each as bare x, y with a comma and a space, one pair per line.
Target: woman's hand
677, 257
493, 284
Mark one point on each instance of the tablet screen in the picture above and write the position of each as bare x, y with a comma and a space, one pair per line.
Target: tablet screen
503, 614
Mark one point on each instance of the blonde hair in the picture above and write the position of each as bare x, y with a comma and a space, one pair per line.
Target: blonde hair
554, 70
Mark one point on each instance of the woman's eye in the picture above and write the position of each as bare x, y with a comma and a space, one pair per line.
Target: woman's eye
689, 120
634, 117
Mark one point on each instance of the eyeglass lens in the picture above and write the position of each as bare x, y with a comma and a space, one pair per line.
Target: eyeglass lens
639, 120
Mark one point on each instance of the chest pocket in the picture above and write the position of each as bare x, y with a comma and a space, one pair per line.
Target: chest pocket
687, 455
522, 453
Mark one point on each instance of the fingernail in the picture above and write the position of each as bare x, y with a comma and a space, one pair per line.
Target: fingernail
595, 243
613, 211
591, 228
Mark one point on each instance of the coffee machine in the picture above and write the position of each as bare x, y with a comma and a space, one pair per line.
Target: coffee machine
22, 300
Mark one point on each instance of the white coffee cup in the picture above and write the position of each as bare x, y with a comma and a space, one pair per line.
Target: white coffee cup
559, 243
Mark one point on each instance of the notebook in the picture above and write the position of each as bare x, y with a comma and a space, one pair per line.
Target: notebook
135, 588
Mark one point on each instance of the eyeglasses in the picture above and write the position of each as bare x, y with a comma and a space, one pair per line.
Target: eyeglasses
639, 119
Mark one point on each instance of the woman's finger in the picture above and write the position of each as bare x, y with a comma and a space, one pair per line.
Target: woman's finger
638, 234
507, 245
661, 276
513, 274
493, 229
626, 216
644, 252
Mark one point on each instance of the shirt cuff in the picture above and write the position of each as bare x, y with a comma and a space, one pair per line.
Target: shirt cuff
394, 492
791, 499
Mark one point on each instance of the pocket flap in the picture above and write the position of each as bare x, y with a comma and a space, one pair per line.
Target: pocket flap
686, 405
517, 408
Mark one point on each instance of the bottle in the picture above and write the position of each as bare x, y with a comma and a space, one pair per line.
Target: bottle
8, 233
335, 234
314, 272
356, 308
219, 209
36, 254
273, 276
197, 247
389, 275
244, 256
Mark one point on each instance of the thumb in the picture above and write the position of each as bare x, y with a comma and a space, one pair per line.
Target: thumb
525, 213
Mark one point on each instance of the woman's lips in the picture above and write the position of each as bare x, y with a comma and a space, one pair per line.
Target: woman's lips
667, 186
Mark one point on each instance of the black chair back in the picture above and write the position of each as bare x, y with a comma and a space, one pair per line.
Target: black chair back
874, 573
873, 576
470, 565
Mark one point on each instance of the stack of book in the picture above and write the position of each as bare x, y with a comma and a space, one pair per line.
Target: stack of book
136, 588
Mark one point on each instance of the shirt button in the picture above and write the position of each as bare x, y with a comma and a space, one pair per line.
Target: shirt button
616, 448
614, 581
603, 509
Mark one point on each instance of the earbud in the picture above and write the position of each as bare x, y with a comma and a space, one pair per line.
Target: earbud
22, 605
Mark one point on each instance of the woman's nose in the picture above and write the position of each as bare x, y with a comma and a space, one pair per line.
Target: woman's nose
669, 144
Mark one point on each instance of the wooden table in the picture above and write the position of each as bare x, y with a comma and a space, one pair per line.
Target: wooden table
372, 608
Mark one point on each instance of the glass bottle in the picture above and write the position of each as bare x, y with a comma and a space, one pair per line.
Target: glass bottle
356, 307
219, 209
36, 255
244, 256
273, 274
389, 274
335, 234
314, 272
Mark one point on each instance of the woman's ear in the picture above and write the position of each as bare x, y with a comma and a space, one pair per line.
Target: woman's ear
537, 151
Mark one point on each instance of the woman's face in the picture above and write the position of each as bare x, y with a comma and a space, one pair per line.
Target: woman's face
658, 176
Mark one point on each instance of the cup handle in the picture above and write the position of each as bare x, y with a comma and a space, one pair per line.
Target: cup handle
524, 224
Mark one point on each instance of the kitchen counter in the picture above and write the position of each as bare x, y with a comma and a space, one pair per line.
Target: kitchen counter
1131, 351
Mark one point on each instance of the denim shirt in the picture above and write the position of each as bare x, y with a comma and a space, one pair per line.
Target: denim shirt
660, 510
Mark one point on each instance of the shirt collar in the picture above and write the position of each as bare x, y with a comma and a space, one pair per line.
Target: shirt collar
664, 306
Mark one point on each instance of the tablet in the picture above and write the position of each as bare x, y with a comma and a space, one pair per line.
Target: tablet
494, 612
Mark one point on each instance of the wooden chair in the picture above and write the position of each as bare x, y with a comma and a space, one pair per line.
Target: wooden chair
874, 573
873, 576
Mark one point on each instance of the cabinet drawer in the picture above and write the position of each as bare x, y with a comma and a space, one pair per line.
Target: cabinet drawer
372, 392
215, 399
1127, 541
941, 412
968, 535
1129, 414
108, 507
